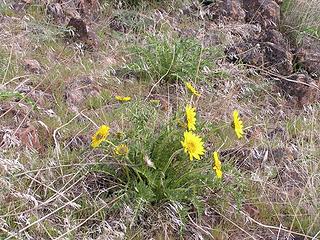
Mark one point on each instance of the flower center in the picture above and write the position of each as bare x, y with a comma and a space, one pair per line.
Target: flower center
99, 136
191, 146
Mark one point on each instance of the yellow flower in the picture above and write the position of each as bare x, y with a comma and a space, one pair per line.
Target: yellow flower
192, 89
191, 117
193, 145
123, 99
100, 136
121, 150
237, 123
217, 165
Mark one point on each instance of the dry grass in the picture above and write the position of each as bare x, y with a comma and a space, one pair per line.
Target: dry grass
301, 18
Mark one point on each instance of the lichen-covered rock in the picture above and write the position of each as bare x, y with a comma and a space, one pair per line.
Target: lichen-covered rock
264, 12
277, 58
301, 89
80, 32
308, 55
56, 12
229, 10
28, 136
32, 66
264, 54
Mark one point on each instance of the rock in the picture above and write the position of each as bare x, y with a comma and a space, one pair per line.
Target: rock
301, 89
80, 89
117, 25
276, 37
29, 137
249, 53
21, 6
227, 10
264, 54
32, 66
277, 58
81, 33
87, 7
264, 12
308, 55
55, 10
79, 29
37, 97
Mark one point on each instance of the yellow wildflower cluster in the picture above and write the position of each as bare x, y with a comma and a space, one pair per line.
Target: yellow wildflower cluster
192, 144
101, 136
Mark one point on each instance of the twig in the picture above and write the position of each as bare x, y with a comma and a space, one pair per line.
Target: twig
162, 77
272, 227
229, 220
8, 65
43, 218
274, 74
56, 143
91, 216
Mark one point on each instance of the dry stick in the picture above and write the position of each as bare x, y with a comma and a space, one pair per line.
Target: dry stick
269, 226
282, 77
91, 216
73, 165
56, 143
201, 228
236, 225
15, 78
43, 218
52, 189
315, 236
162, 77
278, 234
89, 119
8, 65
49, 200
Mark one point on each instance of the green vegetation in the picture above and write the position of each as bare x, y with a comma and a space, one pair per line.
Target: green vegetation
301, 18
169, 59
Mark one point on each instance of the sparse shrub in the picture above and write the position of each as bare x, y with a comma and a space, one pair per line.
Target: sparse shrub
152, 162
169, 59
